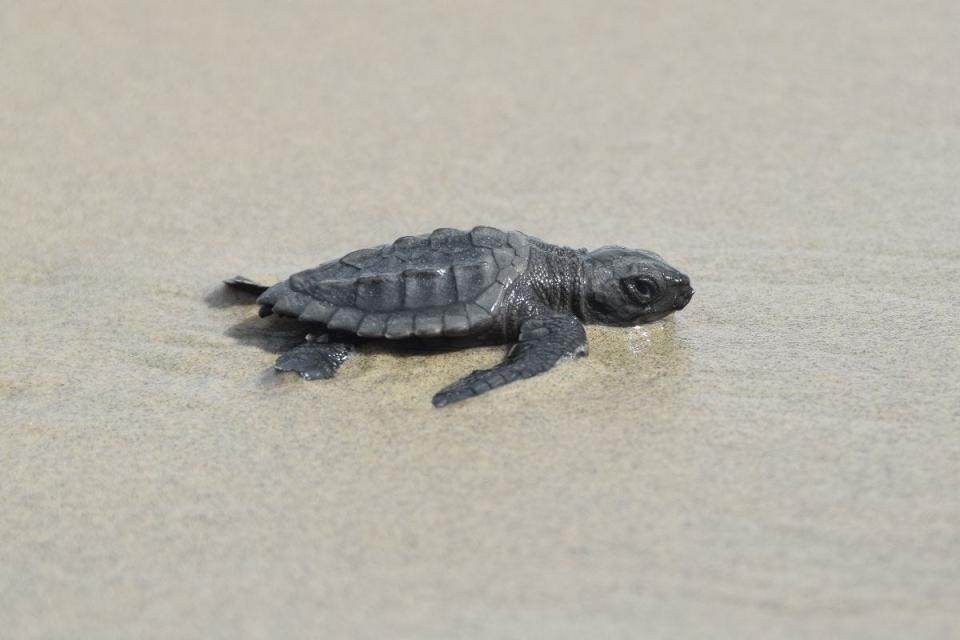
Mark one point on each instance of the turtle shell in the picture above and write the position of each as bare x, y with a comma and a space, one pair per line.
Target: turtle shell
446, 283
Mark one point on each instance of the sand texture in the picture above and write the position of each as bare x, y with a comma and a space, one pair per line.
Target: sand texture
780, 460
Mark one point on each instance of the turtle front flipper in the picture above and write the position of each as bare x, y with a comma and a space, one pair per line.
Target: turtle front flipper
315, 359
544, 341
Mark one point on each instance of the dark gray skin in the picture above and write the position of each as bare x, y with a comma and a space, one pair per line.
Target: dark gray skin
482, 285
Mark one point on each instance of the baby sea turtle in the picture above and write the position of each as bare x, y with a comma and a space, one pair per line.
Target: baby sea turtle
484, 284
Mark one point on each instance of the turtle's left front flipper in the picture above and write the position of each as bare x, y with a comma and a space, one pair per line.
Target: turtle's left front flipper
544, 341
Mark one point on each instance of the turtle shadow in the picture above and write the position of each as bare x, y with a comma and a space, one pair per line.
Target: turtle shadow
274, 335
223, 296
417, 347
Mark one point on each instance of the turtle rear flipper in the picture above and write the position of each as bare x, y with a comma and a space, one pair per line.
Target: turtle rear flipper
247, 285
314, 360
544, 341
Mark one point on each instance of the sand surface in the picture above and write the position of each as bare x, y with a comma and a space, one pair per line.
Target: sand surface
780, 460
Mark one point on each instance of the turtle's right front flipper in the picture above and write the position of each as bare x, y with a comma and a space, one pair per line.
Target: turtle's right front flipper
315, 360
544, 341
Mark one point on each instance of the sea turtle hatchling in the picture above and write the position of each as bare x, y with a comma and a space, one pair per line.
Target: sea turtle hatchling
487, 285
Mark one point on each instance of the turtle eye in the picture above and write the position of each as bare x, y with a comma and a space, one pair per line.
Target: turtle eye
641, 290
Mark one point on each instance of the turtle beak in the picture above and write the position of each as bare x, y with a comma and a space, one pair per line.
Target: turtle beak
683, 297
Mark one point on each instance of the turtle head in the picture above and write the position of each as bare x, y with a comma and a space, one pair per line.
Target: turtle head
627, 287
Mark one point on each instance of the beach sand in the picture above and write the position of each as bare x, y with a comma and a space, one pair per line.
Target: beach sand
779, 460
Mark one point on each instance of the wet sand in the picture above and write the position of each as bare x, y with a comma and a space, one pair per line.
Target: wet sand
779, 460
